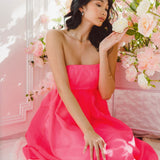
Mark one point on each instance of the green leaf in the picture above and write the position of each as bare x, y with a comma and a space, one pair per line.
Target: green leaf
137, 1
133, 6
130, 32
57, 19
157, 3
137, 35
152, 85
41, 39
135, 26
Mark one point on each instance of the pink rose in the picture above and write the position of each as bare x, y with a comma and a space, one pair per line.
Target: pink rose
156, 39
37, 49
146, 24
131, 73
127, 60
148, 60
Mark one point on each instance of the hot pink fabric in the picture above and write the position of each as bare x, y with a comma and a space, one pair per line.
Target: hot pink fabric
54, 135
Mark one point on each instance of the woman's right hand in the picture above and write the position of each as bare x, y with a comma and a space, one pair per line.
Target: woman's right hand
94, 141
110, 41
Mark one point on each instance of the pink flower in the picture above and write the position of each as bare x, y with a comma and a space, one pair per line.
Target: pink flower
131, 73
127, 61
156, 62
156, 39
146, 24
148, 60
44, 19
37, 49
38, 62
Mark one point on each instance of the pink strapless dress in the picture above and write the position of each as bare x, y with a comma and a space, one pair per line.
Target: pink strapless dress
54, 135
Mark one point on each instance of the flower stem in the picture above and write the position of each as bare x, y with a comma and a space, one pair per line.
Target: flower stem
154, 13
155, 80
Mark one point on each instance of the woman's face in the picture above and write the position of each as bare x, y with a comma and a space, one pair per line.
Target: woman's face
96, 11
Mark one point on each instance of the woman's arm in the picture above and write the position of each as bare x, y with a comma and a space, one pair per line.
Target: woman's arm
106, 77
54, 47
108, 58
112, 58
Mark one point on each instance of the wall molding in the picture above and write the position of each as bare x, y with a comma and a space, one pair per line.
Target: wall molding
20, 117
27, 106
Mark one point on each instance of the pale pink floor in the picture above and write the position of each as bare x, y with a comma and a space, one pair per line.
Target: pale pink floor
12, 149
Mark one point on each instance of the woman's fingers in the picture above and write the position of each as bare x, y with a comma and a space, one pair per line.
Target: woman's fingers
97, 151
91, 151
102, 145
85, 147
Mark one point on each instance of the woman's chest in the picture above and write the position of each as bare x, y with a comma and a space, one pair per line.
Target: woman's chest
77, 53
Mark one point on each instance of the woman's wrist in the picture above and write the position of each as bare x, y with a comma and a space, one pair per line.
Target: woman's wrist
103, 57
88, 130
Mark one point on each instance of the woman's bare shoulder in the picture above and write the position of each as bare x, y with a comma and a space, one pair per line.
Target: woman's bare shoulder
55, 34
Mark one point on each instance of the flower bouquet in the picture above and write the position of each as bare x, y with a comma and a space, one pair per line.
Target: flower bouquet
38, 49
139, 50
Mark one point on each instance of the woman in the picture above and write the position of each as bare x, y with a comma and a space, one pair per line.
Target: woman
73, 121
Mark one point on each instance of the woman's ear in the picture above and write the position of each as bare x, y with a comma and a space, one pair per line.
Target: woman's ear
81, 9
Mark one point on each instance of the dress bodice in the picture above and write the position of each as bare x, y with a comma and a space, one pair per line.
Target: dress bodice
83, 76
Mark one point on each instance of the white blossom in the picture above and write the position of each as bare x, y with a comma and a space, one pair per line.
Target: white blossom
120, 25
142, 82
143, 7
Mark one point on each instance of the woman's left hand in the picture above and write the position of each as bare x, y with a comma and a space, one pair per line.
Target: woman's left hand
110, 41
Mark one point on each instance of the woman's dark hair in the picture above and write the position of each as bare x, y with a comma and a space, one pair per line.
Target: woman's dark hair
97, 34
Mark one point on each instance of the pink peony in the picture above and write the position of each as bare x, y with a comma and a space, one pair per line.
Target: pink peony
148, 60
37, 49
127, 61
146, 24
131, 73
156, 39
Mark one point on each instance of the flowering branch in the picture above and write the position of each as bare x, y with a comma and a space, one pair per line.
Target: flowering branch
140, 54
